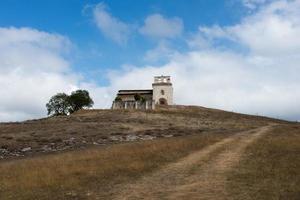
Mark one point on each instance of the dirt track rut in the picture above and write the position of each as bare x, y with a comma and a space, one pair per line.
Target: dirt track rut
200, 175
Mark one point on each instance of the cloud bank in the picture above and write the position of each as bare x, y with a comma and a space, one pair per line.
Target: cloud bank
250, 67
254, 4
33, 67
109, 25
158, 26
155, 25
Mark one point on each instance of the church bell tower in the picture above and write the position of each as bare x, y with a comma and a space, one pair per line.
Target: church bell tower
162, 90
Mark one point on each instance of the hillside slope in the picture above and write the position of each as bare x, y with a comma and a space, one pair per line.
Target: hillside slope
170, 153
101, 127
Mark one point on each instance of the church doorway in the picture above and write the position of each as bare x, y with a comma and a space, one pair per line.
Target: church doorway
163, 101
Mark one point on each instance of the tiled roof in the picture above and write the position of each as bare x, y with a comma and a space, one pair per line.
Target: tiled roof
123, 92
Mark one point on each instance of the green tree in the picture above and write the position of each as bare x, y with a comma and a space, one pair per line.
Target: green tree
137, 97
143, 99
140, 98
62, 104
118, 98
58, 105
79, 99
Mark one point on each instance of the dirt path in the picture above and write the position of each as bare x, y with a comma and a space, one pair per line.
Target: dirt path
200, 175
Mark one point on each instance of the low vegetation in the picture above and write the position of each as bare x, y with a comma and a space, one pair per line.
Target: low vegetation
93, 173
104, 127
269, 168
63, 104
99, 154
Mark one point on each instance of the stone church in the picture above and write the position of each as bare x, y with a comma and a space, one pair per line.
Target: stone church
160, 94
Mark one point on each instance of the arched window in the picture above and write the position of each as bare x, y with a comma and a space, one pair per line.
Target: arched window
162, 92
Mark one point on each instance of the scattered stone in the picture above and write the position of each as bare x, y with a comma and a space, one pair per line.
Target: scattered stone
69, 141
3, 151
26, 149
147, 137
115, 138
131, 138
167, 136
46, 148
15, 154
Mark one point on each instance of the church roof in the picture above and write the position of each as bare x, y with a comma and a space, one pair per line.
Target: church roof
127, 92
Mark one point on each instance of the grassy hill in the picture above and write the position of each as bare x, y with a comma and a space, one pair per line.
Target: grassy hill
101, 127
117, 154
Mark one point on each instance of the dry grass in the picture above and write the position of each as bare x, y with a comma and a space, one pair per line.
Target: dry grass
270, 168
93, 173
87, 127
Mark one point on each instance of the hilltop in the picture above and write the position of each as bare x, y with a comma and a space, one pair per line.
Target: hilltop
102, 127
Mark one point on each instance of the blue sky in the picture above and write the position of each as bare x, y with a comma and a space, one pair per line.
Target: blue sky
237, 55
94, 52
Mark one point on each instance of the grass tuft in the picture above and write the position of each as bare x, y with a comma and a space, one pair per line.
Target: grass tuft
92, 173
270, 167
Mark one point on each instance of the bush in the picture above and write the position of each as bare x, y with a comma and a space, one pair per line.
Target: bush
80, 99
140, 98
58, 105
118, 99
137, 97
62, 104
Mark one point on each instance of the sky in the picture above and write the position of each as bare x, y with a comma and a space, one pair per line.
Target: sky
235, 55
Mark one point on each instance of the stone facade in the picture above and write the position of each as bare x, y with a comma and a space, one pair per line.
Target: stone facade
162, 90
134, 105
161, 94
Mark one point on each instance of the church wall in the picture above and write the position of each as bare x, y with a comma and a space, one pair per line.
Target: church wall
147, 105
130, 97
168, 93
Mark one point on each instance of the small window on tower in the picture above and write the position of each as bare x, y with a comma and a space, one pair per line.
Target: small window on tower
162, 92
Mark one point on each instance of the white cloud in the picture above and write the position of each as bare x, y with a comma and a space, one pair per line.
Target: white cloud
157, 25
222, 80
33, 67
262, 79
109, 25
254, 4
256, 72
162, 52
272, 31
203, 39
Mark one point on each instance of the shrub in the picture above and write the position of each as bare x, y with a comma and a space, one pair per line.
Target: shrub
118, 98
62, 104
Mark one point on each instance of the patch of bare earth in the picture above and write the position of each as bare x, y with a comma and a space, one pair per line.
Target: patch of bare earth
200, 175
